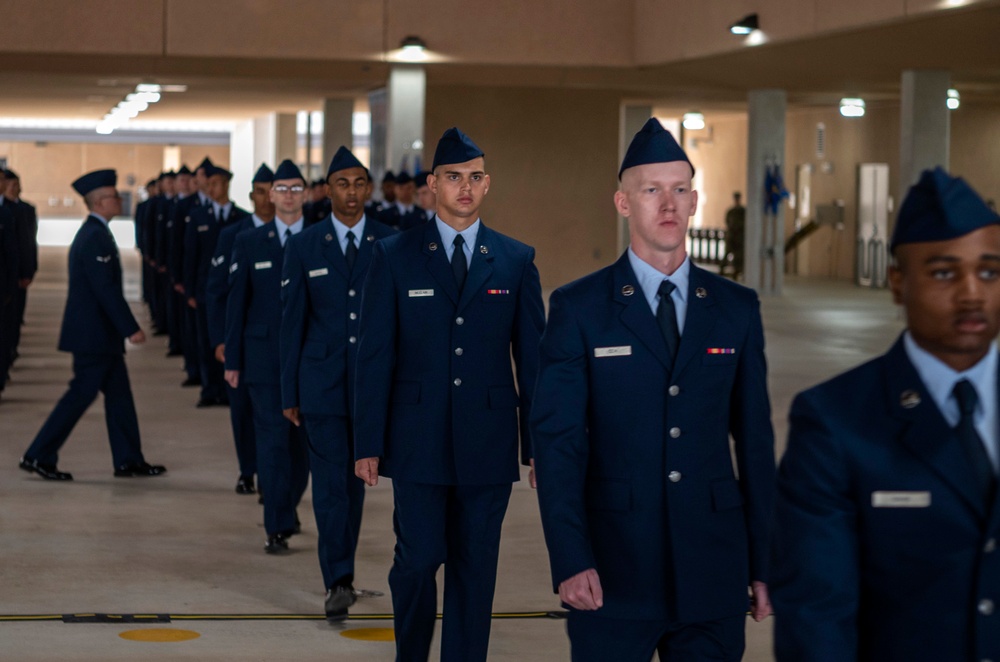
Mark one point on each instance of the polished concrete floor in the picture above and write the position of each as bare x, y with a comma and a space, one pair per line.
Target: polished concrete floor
186, 550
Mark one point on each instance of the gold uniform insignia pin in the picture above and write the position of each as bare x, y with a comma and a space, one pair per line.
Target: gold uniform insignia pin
329, 237
484, 250
370, 237
432, 246
628, 290
909, 399
271, 233
701, 293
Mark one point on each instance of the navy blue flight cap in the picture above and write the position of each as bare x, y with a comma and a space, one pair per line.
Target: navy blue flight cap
213, 170
403, 178
344, 159
10, 174
653, 144
170, 173
263, 175
95, 180
940, 207
184, 171
206, 164
420, 179
455, 147
389, 177
288, 170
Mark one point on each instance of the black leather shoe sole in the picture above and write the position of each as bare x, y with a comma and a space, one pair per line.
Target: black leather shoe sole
46, 471
139, 470
245, 485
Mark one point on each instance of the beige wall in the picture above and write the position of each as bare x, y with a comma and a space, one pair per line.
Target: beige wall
47, 170
975, 147
552, 160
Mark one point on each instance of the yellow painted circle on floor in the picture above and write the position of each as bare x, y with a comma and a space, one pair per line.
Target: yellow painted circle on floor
369, 634
159, 635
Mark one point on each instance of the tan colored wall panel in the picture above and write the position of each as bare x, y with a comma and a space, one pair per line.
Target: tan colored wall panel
722, 164
552, 158
290, 29
570, 32
975, 147
83, 26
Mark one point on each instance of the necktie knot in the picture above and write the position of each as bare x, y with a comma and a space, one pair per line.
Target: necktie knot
350, 238
666, 289
459, 241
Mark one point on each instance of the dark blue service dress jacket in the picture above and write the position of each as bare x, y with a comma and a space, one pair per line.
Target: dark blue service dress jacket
200, 239
217, 283
635, 476
321, 307
884, 549
97, 318
253, 309
435, 391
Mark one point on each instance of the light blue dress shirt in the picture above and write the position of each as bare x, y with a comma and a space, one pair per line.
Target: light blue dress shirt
449, 233
222, 211
341, 230
258, 222
649, 282
101, 219
295, 227
940, 380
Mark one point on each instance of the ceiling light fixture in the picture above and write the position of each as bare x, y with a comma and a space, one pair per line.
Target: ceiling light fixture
694, 121
133, 104
852, 107
745, 25
954, 99
412, 49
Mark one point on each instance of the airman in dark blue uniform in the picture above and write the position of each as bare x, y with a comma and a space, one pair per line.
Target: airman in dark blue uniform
888, 518
446, 307
253, 325
95, 324
216, 295
26, 223
324, 273
403, 214
200, 239
648, 368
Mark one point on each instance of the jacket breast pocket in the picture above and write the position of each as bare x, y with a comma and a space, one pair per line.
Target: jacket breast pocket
609, 495
723, 357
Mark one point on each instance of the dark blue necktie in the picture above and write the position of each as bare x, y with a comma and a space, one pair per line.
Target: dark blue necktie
666, 317
352, 251
966, 397
458, 263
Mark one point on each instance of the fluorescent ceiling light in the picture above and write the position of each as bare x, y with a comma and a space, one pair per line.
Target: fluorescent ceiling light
694, 121
954, 99
852, 107
745, 25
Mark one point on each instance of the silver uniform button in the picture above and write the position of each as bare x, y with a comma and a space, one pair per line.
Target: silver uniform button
352, 340
674, 390
674, 476
985, 607
458, 351
351, 293
675, 432
460, 321
353, 316
990, 546
458, 381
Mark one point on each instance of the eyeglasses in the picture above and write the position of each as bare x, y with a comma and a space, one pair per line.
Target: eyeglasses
282, 189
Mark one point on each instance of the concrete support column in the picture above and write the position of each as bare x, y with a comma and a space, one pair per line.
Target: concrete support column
764, 243
406, 100
631, 121
267, 139
338, 128
925, 125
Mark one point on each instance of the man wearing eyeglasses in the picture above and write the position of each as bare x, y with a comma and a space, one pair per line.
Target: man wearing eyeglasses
95, 324
253, 324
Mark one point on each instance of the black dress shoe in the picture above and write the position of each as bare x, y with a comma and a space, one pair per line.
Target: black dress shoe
276, 544
245, 485
140, 469
175, 352
191, 381
338, 599
206, 402
46, 471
